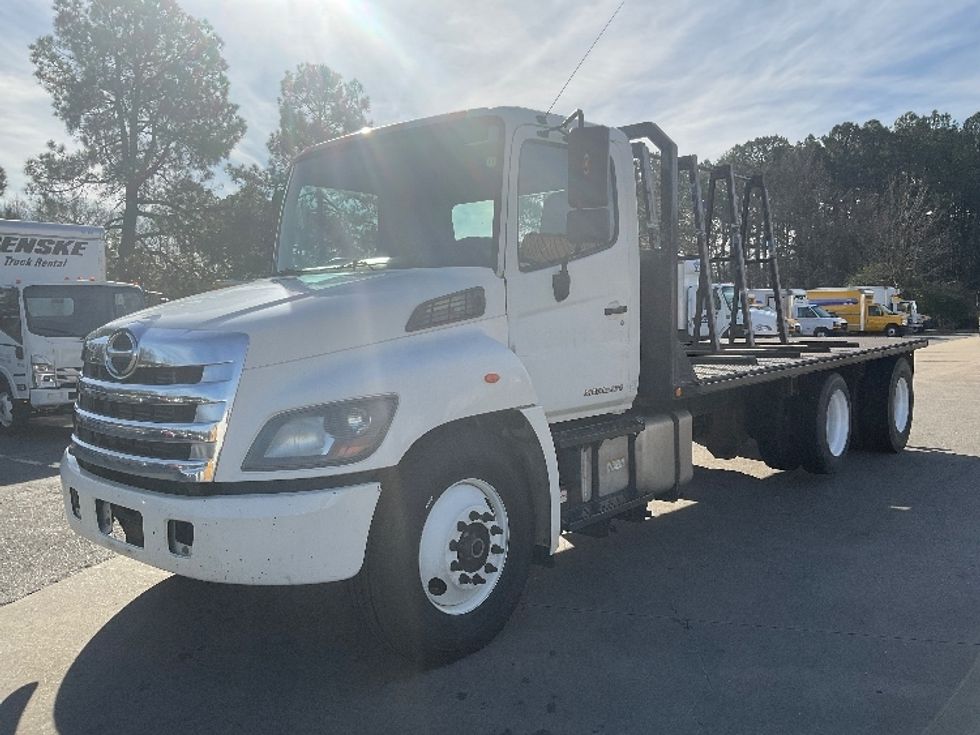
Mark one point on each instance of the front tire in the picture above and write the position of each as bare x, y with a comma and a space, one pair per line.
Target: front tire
449, 551
13, 413
825, 426
893, 330
820, 332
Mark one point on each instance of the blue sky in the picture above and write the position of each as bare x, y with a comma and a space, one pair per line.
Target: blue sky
712, 74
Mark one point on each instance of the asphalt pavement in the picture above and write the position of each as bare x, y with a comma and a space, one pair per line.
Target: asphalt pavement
763, 602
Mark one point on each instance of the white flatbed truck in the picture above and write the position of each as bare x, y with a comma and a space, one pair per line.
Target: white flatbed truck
464, 354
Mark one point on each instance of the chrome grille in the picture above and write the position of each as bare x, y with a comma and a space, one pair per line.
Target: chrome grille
166, 420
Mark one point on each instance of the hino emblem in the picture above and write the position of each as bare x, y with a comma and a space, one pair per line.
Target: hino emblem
121, 354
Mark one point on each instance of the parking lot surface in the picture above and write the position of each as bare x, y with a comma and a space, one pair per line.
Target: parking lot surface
763, 602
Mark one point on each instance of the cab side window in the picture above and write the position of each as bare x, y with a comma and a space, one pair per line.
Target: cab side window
10, 314
542, 207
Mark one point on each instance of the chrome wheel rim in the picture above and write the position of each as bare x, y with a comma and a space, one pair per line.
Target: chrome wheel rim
838, 423
464, 546
901, 404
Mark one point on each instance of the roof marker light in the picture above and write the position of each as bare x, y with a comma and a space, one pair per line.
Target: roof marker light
491, 377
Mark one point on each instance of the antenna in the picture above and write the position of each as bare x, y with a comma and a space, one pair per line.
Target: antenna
582, 60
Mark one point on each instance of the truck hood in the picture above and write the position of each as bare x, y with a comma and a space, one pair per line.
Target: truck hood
294, 317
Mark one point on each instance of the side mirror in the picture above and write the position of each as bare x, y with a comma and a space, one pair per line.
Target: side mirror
589, 181
588, 167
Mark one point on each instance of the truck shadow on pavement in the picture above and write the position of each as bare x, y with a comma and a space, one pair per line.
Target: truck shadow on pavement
805, 603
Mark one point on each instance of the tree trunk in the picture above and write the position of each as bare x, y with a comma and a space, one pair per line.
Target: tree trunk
127, 241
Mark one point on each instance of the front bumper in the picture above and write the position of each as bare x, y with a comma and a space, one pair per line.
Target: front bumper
303, 537
53, 397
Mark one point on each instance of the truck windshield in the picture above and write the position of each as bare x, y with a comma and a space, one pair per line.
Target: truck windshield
821, 312
417, 197
74, 310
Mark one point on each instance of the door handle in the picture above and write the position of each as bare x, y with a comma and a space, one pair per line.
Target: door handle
610, 310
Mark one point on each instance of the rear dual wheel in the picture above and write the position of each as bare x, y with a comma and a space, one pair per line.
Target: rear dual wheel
812, 429
887, 404
449, 551
825, 426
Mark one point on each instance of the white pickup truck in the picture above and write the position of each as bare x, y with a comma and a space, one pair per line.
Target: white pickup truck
463, 354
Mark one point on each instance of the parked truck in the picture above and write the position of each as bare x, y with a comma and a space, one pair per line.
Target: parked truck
764, 321
464, 353
891, 298
858, 306
813, 320
53, 292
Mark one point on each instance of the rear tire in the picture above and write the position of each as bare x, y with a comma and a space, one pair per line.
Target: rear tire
825, 425
13, 413
887, 403
458, 515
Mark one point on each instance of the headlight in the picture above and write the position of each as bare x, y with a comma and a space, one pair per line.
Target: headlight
43, 373
331, 434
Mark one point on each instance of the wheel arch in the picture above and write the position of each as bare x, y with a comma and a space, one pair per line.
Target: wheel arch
517, 431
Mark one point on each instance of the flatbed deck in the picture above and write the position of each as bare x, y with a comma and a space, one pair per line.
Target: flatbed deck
766, 365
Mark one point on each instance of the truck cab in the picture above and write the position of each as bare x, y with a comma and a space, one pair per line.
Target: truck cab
53, 292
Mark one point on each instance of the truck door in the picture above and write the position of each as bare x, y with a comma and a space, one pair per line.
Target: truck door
577, 341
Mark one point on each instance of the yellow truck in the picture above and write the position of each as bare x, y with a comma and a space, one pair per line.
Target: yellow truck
858, 306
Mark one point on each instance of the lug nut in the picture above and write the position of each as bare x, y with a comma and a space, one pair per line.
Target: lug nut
437, 586
453, 545
486, 517
496, 549
489, 568
477, 579
462, 526
496, 530
464, 578
455, 566
474, 516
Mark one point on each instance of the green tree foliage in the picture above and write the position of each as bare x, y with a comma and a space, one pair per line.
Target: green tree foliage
315, 105
869, 203
142, 90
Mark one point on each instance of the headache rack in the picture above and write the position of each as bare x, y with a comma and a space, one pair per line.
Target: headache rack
672, 370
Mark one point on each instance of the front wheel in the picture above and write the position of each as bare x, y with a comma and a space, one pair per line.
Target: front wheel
13, 413
892, 330
820, 332
449, 551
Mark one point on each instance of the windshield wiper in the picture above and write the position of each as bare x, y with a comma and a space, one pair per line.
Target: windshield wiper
312, 269
352, 265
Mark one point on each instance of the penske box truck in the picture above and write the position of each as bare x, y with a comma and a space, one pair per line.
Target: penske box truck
53, 292
465, 352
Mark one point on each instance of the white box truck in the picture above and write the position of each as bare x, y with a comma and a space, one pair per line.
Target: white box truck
764, 320
464, 353
53, 292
